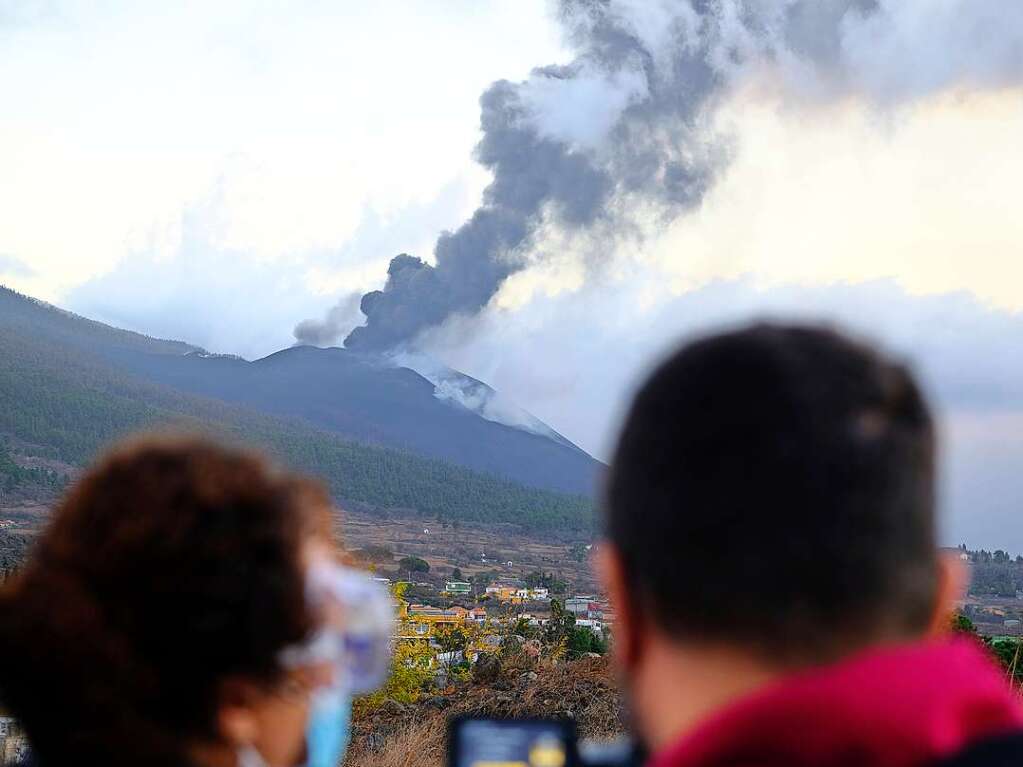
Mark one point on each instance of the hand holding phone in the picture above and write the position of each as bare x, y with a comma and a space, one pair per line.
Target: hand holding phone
530, 743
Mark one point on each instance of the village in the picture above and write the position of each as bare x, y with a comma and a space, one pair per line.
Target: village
461, 620
502, 604
993, 602
466, 591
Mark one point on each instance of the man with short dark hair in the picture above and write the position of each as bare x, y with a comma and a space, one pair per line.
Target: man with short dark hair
772, 561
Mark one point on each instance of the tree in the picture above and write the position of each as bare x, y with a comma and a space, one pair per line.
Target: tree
963, 625
578, 552
582, 640
538, 578
1008, 652
484, 579
559, 628
452, 639
413, 565
523, 628
411, 670
456, 573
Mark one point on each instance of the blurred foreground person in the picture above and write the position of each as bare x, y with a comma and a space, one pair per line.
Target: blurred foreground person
186, 606
771, 557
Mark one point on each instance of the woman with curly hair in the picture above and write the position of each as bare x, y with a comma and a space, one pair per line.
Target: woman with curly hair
186, 606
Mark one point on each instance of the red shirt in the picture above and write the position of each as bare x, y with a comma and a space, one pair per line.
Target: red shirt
896, 707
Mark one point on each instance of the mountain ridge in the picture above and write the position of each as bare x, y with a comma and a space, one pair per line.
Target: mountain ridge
63, 389
370, 399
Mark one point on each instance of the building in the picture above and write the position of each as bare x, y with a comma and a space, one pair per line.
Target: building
593, 625
587, 608
535, 620
425, 620
457, 588
477, 615
579, 605
959, 553
503, 592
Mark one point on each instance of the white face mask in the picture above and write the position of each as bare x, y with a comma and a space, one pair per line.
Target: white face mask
357, 624
357, 616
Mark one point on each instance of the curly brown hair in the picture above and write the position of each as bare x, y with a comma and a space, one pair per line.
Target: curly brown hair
172, 565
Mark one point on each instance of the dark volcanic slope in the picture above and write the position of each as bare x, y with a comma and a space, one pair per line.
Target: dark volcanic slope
369, 400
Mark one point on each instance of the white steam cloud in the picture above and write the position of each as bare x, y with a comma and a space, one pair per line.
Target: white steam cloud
460, 390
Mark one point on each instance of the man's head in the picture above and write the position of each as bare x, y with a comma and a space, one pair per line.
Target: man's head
772, 493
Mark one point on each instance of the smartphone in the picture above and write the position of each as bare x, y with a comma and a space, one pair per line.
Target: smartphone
511, 743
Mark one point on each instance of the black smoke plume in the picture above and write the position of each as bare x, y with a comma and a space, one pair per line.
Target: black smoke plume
623, 127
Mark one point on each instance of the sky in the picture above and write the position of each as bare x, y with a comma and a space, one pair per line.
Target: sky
220, 172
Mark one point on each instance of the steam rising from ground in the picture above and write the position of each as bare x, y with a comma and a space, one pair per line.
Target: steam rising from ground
621, 133
461, 390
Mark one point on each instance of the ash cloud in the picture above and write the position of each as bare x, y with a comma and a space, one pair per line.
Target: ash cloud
338, 322
622, 128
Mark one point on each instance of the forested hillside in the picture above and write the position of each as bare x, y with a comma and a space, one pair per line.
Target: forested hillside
16, 479
35, 319
68, 403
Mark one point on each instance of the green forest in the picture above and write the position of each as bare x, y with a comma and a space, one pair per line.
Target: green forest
71, 404
994, 573
14, 477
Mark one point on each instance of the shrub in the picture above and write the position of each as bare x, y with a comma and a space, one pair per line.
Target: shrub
413, 565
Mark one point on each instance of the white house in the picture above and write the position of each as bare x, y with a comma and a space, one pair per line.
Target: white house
578, 605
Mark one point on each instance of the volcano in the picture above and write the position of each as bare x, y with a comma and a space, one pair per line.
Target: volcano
364, 397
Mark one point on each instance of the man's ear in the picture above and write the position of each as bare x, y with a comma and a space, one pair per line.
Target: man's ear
628, 629
952, 584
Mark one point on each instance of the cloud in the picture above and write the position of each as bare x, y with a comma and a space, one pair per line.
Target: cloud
202, 293
910, 48
575, 358
982, 482
120, 114
12, 266
191, 281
